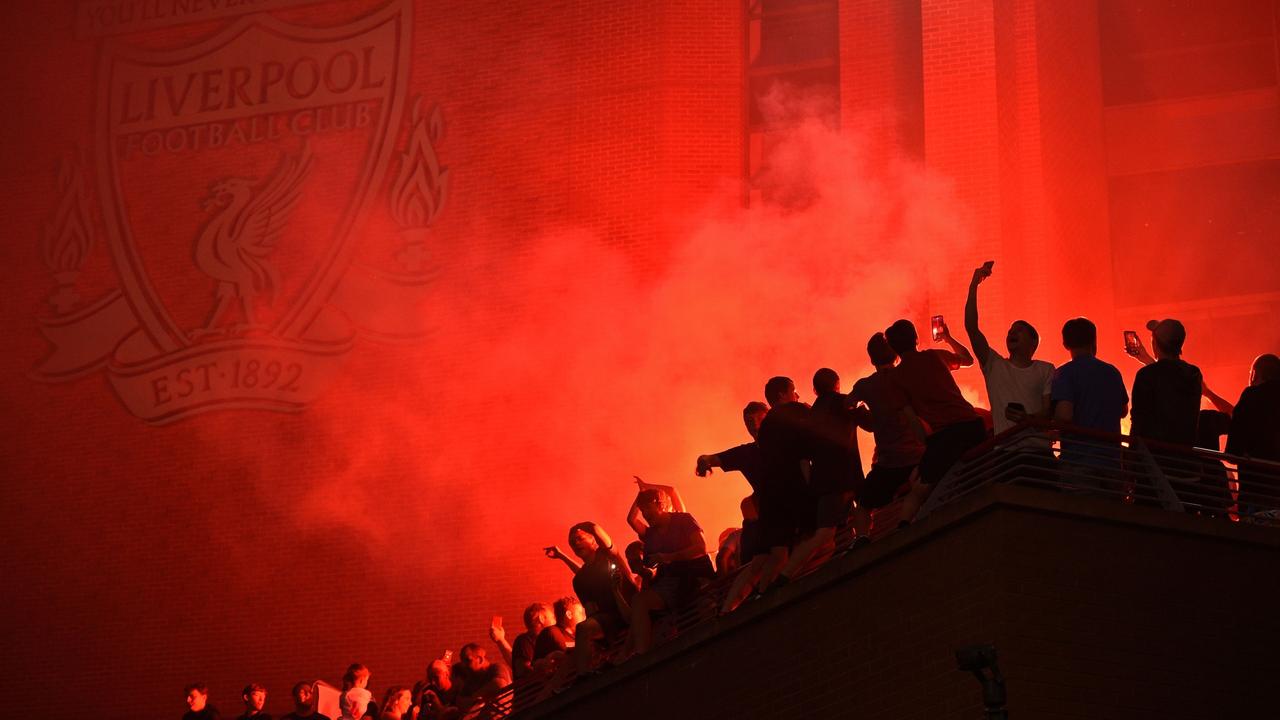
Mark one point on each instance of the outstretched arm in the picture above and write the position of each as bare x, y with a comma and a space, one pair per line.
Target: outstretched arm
958, 357
981, 348
554, 552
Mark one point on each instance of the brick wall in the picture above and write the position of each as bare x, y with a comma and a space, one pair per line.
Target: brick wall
257, 546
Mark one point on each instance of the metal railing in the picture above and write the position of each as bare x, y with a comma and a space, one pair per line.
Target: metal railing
1036, 453
1124, 468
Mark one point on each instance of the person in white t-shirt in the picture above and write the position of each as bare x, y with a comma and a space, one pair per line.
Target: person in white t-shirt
1017, 386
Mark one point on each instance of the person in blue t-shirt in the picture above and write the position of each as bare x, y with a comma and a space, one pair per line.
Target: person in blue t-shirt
1088, 393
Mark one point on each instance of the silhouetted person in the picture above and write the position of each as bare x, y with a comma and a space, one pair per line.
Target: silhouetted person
1166, 404
198, 707
784, 502
1166, 393
603, 585
1089, 393
929, 393
675, 546
835, 470
304, 703
1018, 386
1139, 352
746, 459
255, 699
898, 447
519, 655
1255, 434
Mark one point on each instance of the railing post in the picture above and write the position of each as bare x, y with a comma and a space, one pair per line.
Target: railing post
1159, 482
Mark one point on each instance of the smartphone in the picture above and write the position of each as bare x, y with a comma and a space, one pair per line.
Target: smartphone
1017, 406
987, 266
935, 325
496, 621
1131, 342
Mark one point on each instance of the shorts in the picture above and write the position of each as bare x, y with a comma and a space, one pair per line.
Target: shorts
785, 516
611, 624
882, 485
751, 541
676, 590
832, 509
944, 448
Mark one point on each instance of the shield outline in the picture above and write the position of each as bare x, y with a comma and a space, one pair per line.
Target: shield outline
146, 303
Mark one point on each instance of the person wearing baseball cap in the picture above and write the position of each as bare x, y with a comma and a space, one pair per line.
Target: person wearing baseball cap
1166, 393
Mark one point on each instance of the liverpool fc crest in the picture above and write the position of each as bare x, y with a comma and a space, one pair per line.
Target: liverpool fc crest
233, 175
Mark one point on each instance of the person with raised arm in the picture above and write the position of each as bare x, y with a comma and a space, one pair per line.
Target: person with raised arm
898, 449
1018, 386
519, 655
673, 544
946, 422
603, 585
746, 459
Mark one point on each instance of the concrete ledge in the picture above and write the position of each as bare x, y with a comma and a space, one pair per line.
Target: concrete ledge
845, 573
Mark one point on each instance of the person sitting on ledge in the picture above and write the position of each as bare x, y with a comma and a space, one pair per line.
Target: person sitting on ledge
560, 637
603, 586
478, 680
675, 546
255, 699
304, 703
436, 698
198, 703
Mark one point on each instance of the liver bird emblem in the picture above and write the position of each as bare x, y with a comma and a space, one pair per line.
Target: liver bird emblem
235, 246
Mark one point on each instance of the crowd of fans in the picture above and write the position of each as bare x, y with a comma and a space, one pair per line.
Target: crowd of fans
807, 479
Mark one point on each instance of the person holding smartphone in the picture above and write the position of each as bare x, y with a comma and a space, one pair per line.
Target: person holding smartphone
1018, 386
933, 405
676, 548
